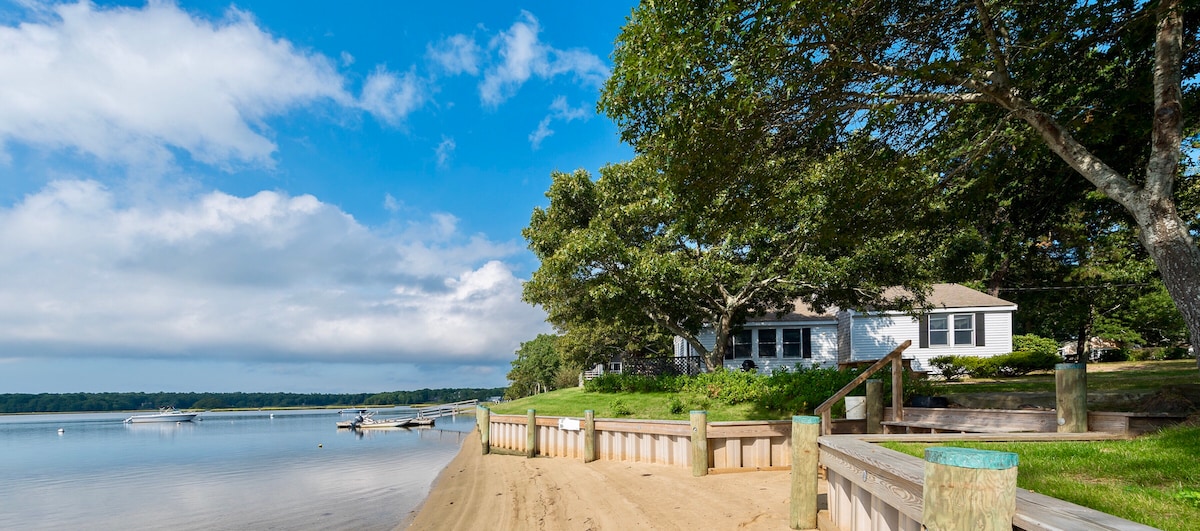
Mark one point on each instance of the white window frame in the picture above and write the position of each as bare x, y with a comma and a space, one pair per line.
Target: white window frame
951, 330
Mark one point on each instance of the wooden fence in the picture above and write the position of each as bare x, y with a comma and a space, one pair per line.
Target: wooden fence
731, 446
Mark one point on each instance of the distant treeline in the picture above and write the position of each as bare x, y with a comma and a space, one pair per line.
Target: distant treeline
68, 402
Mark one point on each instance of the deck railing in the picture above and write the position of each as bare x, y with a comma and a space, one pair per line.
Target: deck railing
894, 358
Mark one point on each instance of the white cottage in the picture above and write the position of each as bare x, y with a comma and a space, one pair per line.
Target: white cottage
958, 320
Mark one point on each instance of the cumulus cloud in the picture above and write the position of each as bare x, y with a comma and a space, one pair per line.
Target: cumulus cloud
523, 55
270, 276
561, 111
128, 85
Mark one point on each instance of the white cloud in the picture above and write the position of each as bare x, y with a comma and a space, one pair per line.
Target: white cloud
390, 97
457, 54
126, 85
268, 276
523, 55
444, 150
561, 111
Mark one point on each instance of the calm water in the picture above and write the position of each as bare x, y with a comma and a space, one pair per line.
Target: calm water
236, 470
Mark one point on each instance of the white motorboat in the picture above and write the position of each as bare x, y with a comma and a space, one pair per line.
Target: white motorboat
367, 421
165, 414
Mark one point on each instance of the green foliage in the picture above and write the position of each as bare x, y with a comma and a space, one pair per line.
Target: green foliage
1034, 343
728, 387
1188, 496
634, 383
676, 406
800, 390
978, 95
72, 402
619, 408
950, 367
1021, 363
537, 368
1008, 365
1113, 354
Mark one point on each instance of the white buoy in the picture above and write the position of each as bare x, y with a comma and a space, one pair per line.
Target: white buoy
272, 415
61, 431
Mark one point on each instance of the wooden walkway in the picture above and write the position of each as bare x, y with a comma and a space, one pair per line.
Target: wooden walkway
445, 410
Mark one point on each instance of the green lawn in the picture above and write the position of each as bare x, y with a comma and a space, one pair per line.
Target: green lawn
1154, 480
574, 401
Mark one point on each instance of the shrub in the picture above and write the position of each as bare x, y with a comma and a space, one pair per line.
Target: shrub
620, 409
730, 387
1113, 354
1021, 363
634, 383
951, 368
676, 406
802, 390
1175, 353
1034, 343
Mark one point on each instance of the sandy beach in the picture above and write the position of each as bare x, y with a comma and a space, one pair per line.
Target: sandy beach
510, 492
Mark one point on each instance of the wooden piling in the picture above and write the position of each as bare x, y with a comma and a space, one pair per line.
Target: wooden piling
1070, 386
805, 430
589, 436
699, 443
531, 435
484, 418
874, 406
969, 489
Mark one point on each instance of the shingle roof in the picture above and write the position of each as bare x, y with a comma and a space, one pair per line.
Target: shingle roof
940, 296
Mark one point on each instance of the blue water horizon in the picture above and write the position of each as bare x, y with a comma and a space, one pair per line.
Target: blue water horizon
282, 469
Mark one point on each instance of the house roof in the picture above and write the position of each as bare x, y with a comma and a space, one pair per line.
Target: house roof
941, 296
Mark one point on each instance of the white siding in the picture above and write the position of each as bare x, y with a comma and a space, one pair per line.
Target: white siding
824, 347
873, 336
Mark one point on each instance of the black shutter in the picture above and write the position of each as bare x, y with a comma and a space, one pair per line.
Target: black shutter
806, 343
979, 333
923, 331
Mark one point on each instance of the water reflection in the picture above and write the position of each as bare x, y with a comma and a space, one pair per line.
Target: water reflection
235, 470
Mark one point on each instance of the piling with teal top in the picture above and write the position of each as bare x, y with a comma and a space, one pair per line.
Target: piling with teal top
969, 489
805, 458
1070, 386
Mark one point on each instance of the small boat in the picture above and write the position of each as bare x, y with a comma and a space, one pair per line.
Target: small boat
384, 423
422, 421
165, 414
353, 411
367, 421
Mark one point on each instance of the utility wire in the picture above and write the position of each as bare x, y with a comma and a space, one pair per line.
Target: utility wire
1065, 288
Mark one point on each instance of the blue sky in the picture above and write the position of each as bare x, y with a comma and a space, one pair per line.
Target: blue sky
283, 196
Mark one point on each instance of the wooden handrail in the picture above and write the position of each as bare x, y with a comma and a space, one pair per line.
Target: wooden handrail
892, 357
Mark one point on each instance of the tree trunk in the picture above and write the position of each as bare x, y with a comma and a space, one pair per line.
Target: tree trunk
1166, 238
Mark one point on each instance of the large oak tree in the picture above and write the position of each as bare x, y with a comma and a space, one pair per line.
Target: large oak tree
695, 81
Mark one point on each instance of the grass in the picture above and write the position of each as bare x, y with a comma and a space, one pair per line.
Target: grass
1153, 480
665, 406
1116, 376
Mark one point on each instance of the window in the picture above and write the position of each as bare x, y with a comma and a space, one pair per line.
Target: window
739, 345
952, 329
964, 329
939, 330
766, 343
797, 342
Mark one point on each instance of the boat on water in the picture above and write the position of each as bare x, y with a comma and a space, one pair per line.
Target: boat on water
367, 421
165, 414
353, 411
422, 421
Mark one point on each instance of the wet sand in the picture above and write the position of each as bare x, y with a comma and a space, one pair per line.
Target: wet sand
509, 492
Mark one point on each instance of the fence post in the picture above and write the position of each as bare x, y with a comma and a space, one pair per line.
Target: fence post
805, 454
589, 436
1070, 386
699, 443
969, 489
531, 435
874, 406
484, 418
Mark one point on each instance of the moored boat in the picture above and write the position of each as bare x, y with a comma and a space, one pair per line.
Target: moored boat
165, 414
